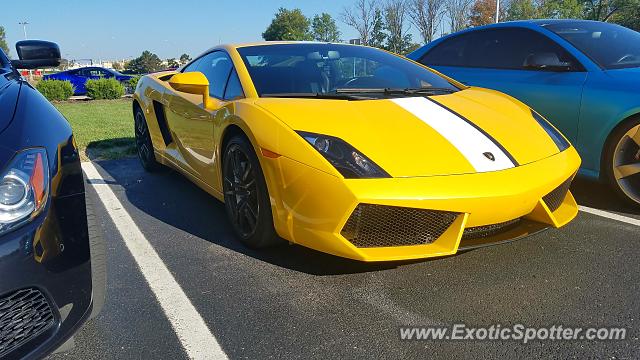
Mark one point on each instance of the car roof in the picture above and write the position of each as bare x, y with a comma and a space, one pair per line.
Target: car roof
534, 23
269, 43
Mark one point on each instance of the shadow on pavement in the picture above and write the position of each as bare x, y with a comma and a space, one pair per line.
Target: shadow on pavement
172, 199
598, 195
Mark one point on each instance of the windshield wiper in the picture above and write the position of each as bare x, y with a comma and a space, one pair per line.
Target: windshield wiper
393, 91
333, 95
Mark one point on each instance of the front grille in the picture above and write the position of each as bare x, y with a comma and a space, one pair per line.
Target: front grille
555, 198
24, 314
485, 231
384, 226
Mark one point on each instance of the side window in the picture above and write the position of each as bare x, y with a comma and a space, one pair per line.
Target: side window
192, 66
508, 48
234, 88
450, 52
216, 66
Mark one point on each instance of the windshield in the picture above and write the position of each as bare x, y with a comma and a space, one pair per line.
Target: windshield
328, 68
610, 46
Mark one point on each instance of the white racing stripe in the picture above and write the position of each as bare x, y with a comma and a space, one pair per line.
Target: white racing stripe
609, 215
471, 142
193, 333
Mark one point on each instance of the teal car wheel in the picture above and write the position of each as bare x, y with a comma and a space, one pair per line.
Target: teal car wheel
624, 161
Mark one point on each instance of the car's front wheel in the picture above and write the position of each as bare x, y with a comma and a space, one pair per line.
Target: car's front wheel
246, 196
622, 161
144, 146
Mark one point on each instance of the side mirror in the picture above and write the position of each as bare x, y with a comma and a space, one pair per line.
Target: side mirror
192, 83
546, 62
36, 53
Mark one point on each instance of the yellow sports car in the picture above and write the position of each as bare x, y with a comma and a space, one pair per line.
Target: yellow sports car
354, 151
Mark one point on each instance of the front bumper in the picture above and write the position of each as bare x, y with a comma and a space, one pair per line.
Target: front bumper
45, 280
311, 208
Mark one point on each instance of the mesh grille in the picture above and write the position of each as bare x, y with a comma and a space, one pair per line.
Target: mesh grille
383, 226
555, 198
485, 231
24, 315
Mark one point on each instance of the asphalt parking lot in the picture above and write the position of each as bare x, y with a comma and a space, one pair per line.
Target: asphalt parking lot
291, 302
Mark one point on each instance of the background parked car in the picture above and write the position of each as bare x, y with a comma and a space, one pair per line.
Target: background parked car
79, 77
52, 264
584, 76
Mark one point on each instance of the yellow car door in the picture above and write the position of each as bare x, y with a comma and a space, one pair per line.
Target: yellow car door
192, 124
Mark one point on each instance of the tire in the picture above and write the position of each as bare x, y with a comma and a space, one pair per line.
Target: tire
144, 146
246, 196
622, 150
98, 249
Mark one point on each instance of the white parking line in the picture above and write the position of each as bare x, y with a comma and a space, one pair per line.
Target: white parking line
193, 333
609, 215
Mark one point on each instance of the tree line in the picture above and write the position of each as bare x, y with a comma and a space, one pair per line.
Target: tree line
387, 23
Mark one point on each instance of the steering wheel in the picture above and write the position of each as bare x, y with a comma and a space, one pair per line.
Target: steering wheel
365, 82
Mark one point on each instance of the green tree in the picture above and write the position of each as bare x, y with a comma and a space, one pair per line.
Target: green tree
184, 58
378, 37
522, 10
606, 10
3, 41
325, 28
145, 63
561, 9
288, 25
629, 16
172, 63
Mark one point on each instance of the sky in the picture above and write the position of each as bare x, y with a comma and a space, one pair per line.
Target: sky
119, 29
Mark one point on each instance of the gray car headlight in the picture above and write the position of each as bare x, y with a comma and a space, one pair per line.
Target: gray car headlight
350, 162
559, 139
24, 188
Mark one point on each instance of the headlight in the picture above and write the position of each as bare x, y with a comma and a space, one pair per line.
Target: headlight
351, 163
556, 136
24, 188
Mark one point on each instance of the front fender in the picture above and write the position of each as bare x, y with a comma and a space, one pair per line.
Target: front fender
605, 105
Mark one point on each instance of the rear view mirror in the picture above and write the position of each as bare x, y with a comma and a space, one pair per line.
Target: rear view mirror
36, 54
192, 83
546, 61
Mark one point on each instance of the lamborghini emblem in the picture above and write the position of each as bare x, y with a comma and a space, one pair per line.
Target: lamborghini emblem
489, 156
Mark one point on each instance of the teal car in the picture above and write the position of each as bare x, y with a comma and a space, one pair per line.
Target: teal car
583, 76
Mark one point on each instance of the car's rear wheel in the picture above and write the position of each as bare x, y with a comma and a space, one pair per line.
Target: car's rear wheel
144, 146
246, 196
623, 161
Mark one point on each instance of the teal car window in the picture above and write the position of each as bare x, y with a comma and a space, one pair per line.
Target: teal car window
505, 48
323, 68
610, 46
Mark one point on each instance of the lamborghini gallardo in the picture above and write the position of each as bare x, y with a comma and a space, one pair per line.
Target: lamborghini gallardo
354, 151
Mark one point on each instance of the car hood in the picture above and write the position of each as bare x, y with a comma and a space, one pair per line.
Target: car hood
9, 91
470, 131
